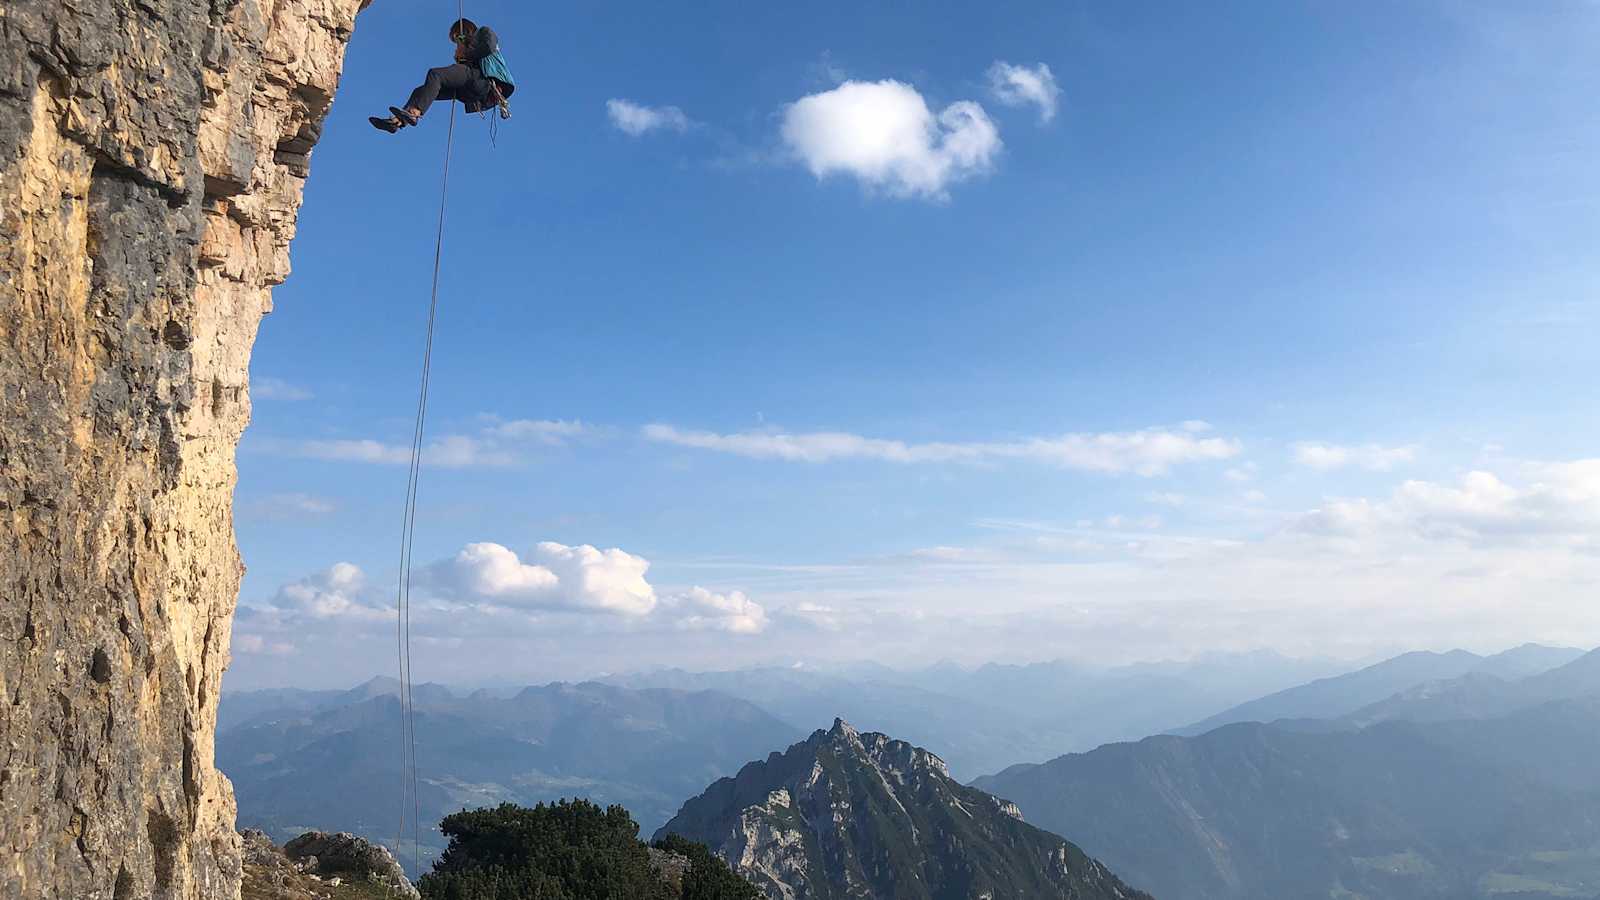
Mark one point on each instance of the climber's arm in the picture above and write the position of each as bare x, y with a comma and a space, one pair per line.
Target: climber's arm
484, 43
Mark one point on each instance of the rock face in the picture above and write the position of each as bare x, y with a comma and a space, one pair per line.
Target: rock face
152, 159
348, 868
353, 858
859, 816
672, 867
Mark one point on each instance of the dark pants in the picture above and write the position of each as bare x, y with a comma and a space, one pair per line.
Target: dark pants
457, 82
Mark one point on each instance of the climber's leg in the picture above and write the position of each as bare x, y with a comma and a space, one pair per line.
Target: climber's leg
447, 82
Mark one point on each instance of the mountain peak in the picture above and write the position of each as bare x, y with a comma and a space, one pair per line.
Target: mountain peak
852, 813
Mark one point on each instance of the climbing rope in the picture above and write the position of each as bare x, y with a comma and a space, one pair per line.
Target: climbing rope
408, 714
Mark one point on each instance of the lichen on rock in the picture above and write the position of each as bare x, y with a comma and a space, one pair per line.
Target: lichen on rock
153, 155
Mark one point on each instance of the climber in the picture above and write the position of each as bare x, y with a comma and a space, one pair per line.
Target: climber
479, 79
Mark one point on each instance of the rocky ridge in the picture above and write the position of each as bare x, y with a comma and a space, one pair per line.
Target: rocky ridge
153, 155
321, 866
847, 814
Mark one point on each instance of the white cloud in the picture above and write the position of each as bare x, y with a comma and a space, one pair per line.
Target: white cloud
490, 570
1557, 503
495, 445
636, 119
451, 452
1022, 85
1485, 560
700, 609
487, 590
554, 576
265, 388
813, 616
883, 134
1148, 452
1373, 457
334, 593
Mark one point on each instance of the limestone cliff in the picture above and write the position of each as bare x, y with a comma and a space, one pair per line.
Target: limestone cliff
152, 160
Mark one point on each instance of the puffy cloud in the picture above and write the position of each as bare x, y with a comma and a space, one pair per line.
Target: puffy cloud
883, 134
555, 576
700, 609
1557, 502
607, 579
265, 388
1148, 452
488, 590
1486, 560
336, 592
491, 570
636, 119
1021, 85
1373, 457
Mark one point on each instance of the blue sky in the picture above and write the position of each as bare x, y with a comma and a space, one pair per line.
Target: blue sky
923, 331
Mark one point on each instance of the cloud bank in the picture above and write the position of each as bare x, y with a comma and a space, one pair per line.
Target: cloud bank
1149, 452
1557, 503
489, 591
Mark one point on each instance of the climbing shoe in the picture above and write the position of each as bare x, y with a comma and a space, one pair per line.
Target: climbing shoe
390, 124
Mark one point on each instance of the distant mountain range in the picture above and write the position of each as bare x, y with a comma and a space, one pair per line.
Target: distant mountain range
1424, 794
1423, 777
852, 816
1342, 695
986, 718
330, 760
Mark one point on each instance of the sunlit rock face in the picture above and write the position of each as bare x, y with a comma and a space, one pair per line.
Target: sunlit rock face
153, 155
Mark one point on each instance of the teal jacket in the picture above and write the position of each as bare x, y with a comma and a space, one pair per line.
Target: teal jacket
485, 54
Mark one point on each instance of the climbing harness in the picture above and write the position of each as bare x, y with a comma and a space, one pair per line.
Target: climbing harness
502, 105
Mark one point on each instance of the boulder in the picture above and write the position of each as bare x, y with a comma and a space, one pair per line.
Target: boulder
345, 855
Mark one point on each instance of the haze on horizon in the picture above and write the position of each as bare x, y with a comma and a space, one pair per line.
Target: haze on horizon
839, 334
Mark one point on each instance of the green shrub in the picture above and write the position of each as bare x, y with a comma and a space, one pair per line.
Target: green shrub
570, 850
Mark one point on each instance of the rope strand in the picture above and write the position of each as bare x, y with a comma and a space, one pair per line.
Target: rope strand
408, 714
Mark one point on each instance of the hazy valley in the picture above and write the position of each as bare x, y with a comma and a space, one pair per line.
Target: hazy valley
1426, 775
